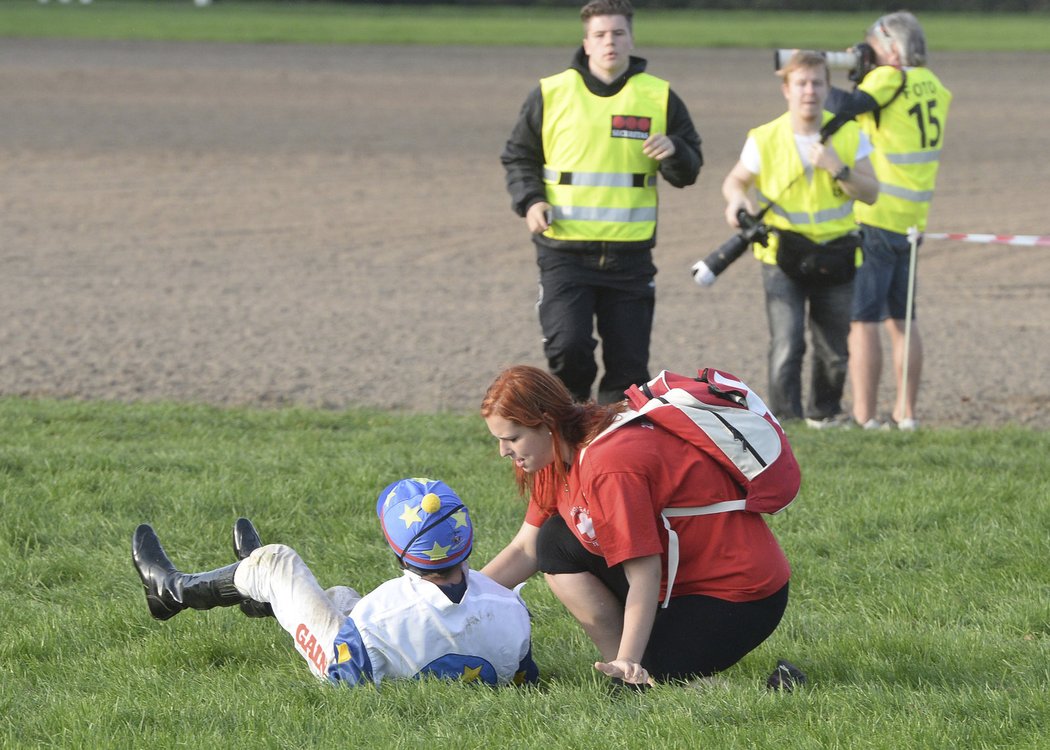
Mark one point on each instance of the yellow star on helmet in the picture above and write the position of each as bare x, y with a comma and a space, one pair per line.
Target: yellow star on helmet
437, 552
471, 673
461, 518
411, 516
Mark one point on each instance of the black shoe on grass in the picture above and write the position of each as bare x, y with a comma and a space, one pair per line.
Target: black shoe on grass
786, 677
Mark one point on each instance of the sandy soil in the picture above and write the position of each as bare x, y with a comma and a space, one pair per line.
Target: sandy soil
327, 226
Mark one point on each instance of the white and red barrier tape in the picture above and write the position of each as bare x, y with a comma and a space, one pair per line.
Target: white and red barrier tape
994, 239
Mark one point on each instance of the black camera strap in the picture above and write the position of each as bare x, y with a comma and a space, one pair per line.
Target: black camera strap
858, 103
829, 129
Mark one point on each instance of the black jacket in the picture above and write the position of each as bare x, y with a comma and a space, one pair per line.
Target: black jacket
523, 157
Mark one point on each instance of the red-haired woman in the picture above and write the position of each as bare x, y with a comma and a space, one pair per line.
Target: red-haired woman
596, 528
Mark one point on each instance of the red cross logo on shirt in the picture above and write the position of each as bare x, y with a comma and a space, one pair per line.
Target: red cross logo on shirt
584, 525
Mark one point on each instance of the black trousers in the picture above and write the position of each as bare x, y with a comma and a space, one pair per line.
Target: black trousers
617, 292
695, 636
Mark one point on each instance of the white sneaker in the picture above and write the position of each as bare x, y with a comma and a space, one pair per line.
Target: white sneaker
907, 425
872, 424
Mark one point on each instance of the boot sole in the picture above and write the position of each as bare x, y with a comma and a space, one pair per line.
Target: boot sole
245, 538
149, 559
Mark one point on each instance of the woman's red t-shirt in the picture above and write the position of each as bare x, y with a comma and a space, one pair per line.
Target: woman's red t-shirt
613, 502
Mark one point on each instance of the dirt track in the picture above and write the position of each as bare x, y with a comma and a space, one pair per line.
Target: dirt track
327, 226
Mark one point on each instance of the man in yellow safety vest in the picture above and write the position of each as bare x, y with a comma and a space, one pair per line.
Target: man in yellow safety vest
805, 184
581, 166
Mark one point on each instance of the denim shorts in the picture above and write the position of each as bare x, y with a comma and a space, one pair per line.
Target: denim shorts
880, 290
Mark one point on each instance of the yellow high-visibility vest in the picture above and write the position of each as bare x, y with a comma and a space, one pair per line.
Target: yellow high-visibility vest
600, 185
907, 137
816, 207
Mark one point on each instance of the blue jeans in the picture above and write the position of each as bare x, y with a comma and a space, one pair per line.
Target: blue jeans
829, 318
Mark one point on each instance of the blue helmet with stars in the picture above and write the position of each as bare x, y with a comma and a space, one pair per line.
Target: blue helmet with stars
425, 523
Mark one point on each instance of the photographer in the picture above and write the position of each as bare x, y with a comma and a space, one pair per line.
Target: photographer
806, 184
903, 107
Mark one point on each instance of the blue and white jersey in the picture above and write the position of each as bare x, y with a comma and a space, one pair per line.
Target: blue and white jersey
408, 628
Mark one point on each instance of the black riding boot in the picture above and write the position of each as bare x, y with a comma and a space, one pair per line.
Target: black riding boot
245, 541
168, 590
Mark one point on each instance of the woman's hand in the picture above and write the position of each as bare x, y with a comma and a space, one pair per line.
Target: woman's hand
643, 594
629, 671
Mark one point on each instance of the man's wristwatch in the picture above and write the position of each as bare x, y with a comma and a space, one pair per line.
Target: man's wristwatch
842, 174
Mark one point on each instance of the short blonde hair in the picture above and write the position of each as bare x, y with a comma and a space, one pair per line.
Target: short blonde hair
804, 58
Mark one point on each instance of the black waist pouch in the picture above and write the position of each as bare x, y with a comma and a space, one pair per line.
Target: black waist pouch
822, 264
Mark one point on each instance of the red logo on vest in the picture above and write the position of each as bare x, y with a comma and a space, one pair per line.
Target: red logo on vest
631, 126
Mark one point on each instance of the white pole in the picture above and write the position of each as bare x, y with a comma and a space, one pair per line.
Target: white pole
913, 239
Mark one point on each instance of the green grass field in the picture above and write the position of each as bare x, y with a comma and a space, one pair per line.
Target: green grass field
378, 24
920, 599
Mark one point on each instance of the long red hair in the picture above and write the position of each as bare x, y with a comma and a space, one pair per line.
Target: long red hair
534, 398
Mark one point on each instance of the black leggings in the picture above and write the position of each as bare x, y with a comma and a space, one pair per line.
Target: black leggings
695, 636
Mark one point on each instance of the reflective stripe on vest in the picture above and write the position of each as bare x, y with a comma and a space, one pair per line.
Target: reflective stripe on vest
801, 219
620, 215
921, 157
813, 204
600, 185
915, 196
598, 179
907, 137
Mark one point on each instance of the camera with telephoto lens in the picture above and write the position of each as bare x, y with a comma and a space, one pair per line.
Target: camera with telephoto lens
751, 230
859, 60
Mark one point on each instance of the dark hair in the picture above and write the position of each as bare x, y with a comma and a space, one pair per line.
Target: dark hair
439, 573
607, 8
533, 398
